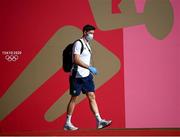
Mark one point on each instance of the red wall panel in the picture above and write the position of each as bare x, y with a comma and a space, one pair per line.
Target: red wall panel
27, 26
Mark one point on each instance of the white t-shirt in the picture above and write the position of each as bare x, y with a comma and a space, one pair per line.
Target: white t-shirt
85, 56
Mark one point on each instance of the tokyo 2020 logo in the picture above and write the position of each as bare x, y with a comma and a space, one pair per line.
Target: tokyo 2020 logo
11, 56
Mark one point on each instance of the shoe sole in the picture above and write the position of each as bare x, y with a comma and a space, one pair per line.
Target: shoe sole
65, 129
106, 125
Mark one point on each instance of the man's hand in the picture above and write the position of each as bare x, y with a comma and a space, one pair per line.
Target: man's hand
93, 70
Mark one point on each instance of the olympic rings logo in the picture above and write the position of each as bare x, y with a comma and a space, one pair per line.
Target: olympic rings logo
11, 58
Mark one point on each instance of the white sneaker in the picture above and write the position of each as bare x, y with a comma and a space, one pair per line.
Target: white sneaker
70, 126
103, 123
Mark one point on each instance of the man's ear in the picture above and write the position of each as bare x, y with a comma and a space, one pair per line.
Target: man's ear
85, 32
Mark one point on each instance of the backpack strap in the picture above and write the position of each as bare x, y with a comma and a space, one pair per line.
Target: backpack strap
82, 47
76, 66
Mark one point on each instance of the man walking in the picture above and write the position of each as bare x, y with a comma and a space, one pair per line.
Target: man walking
81, 79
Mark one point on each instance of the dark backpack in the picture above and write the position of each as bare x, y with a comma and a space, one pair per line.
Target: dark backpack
67, 56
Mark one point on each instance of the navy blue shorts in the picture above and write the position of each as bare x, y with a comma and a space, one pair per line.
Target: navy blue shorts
84, 85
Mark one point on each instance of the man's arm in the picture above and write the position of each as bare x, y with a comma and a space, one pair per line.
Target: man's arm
78, 61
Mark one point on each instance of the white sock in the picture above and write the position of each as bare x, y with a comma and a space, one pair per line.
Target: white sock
68, 119
98, 117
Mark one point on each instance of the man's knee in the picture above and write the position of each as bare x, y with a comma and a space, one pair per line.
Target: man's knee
73, 99
91, 96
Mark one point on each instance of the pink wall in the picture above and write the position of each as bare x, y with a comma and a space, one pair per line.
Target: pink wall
152, 77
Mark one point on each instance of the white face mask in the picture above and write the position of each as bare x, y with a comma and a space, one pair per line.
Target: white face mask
89, 37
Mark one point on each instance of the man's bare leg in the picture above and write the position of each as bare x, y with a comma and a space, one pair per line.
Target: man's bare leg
101, 123
70, 109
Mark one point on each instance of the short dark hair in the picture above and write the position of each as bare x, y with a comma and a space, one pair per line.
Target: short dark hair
88, 28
